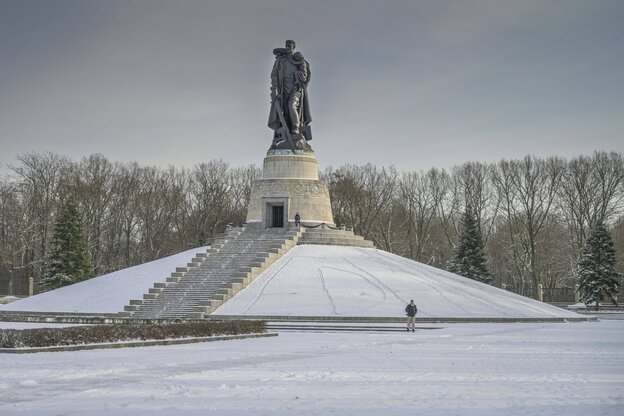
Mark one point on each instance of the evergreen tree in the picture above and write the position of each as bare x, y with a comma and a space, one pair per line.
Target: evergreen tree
596, 268
68, 259
468, 255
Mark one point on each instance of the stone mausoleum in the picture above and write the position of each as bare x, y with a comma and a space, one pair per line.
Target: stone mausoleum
290, 184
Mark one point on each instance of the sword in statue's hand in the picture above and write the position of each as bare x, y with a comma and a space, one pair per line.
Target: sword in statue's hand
284, 131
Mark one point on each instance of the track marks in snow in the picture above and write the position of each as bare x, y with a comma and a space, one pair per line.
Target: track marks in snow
324, 286
382, 293
449, 283
377, 280
265, 284
422, 279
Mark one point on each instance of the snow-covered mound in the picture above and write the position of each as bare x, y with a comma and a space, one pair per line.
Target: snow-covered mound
350, 281
107, 293
314, 281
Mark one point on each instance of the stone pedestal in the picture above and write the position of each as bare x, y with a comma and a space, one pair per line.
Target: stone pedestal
289, 185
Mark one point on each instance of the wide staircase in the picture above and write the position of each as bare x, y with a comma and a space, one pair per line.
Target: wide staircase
214, 276
334, 237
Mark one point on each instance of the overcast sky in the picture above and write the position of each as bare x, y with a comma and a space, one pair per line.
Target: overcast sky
411, 83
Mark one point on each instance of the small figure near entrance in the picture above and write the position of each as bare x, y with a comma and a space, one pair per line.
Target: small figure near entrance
411, 310
297, 220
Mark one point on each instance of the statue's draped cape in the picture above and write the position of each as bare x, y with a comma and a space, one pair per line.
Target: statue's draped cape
305, 115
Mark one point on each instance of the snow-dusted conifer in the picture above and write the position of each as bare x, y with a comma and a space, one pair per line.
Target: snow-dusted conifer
68, 259
468, 255
596, 268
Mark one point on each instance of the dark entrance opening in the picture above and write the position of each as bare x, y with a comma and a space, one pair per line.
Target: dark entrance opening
277, 216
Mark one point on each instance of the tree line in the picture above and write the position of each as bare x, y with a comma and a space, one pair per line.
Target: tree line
534, 213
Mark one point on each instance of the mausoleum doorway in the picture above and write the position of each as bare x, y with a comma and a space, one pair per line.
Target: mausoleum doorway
277, 216
275, 212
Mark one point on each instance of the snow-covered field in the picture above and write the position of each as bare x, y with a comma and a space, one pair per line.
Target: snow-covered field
351, 281
462, 369
108, 293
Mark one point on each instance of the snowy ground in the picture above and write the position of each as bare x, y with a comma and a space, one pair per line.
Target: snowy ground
352, 281
108, 293
312, 280
462, 369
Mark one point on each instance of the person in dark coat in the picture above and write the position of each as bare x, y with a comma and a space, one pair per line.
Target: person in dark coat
411, 310
297, 220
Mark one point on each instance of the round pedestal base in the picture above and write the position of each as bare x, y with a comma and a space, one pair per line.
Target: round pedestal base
289, 186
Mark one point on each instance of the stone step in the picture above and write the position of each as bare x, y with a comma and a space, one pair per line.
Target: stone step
189, 293
202, 284
213, 277
337, 240
172, 298
360, 245
326, 229
325, 237
150, 296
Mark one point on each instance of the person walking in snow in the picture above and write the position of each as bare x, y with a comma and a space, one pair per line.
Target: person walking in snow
411, 310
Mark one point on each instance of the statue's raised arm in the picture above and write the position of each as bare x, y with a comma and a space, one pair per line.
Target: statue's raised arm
289, 116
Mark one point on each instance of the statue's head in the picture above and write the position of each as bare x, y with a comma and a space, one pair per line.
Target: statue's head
290, 46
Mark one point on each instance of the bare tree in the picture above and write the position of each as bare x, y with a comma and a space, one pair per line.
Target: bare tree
40, 177
210, 190
125, 205
92, 184
419, 197
360, 194
592, 190
241, 180
475, 182
527, 191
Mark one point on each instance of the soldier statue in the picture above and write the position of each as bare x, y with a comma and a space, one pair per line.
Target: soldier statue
290, 110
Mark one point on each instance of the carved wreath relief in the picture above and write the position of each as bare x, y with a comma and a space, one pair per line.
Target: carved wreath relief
298, 187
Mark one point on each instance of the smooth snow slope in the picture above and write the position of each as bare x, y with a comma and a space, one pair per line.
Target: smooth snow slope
107, 293
351, 281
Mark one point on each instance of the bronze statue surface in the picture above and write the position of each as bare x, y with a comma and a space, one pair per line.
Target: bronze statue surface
289, 115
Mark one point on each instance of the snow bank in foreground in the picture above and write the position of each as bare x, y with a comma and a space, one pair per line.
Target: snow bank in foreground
467, 369
350, 281
107, 293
